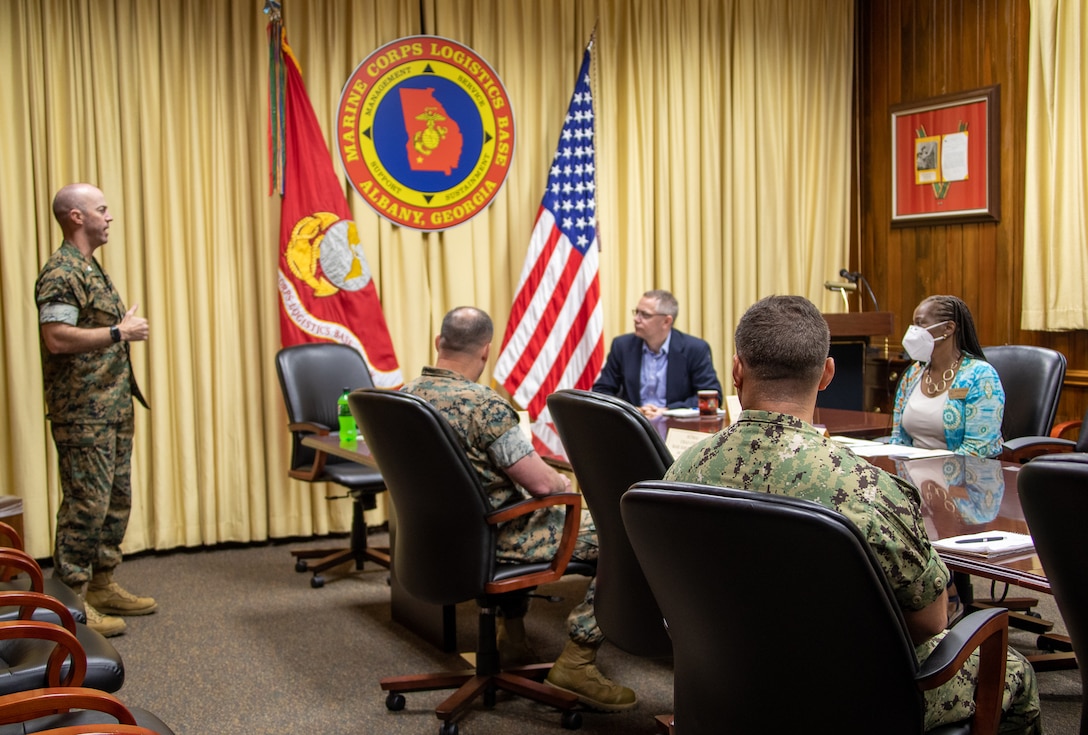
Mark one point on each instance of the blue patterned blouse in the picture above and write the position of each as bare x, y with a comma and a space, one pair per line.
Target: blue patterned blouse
973, 409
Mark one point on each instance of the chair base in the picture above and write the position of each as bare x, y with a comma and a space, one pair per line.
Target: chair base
524, 681
485, 680
358, 551
320, 560
1060, 656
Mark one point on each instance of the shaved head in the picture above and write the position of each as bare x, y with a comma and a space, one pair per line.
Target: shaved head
72, 196
83, 216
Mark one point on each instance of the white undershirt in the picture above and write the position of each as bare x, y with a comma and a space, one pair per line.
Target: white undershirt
922, 419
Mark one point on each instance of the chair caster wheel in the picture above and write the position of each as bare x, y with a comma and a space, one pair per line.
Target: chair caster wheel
572, 720
301, 566
317, 581
394, 702
448, 728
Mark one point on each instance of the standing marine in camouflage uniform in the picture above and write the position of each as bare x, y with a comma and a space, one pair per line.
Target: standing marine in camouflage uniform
781, 364
511, 471
89, 387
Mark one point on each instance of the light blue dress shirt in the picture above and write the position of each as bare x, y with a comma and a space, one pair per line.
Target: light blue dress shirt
652, 379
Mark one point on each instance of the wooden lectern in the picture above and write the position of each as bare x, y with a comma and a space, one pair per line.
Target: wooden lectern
861, 379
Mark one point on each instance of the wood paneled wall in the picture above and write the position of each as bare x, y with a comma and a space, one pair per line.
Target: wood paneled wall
910, 50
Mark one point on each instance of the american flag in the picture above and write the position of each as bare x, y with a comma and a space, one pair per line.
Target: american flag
554, 337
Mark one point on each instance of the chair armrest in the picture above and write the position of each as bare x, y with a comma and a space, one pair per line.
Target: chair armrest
67, 646
988, 631
313, 474
33, 703
33, 599
14, 559
1059, 430
310, 427
14, 539
559, 562
1023, 448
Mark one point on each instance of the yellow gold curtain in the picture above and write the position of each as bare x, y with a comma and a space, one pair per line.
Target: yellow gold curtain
723, 161
1056, 190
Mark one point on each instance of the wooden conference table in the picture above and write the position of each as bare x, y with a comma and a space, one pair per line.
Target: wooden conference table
960, 495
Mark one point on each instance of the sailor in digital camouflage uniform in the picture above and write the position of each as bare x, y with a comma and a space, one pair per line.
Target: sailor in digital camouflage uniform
511, 471
781, 363
89, 387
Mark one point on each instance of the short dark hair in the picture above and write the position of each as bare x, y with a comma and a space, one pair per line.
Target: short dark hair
783, 338
464, 329
952, 308
666, 302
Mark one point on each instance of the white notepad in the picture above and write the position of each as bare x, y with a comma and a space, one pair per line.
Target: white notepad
986, 543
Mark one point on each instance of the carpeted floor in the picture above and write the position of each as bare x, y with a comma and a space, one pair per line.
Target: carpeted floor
242, 645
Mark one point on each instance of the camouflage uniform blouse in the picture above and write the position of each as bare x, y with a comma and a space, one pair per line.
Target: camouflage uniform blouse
777, 453
90, 387
486, 423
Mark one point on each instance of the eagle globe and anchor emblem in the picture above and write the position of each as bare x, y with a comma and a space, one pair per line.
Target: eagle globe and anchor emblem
333, 243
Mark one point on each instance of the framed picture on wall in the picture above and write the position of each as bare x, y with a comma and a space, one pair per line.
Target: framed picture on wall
946, 162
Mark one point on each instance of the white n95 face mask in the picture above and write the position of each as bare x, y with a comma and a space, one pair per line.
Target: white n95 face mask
918, 342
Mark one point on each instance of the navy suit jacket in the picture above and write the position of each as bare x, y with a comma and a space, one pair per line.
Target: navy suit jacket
690, 370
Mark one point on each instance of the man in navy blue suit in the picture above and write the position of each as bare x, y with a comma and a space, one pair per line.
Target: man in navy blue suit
658, 367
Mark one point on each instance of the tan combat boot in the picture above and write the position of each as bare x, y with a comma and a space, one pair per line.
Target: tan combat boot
575, 672
106, 625
110, 597
514, 646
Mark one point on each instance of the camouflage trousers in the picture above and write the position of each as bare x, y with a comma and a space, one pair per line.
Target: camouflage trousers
536, 538
954, 700
96, 498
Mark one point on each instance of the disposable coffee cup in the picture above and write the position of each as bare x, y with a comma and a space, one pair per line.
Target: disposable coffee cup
708, 403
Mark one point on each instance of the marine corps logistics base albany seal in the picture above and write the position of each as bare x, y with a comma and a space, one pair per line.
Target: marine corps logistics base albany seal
425, 132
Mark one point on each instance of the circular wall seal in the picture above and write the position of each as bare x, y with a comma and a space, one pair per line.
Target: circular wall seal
425, 132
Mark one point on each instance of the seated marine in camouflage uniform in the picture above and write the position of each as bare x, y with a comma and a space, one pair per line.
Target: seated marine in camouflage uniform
781, 363
510, 470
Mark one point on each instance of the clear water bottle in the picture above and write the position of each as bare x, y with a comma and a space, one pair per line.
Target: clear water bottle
347, 421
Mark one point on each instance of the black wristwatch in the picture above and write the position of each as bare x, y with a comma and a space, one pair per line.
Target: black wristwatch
115, 333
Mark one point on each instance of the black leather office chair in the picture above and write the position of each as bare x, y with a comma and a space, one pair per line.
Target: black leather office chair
444, 551
611, 446
312, 377
715, 557
1054, 497
32, 652
74, 710
1032, 378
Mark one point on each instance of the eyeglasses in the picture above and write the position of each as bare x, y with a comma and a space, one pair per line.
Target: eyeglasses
645, 315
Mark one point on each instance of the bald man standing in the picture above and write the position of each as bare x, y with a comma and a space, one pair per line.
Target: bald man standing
89, 386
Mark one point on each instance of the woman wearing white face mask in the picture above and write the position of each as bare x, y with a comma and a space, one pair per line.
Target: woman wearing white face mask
950, 398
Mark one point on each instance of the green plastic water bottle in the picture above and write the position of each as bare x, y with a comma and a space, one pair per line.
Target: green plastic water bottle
347, 421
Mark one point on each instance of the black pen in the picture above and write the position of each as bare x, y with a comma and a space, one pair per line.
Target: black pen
980, 540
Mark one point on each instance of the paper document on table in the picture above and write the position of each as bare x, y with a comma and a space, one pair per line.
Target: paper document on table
678, 440
849, 441
896, 451
986, 543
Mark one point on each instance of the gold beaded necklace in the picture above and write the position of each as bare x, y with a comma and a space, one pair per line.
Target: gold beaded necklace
933, 389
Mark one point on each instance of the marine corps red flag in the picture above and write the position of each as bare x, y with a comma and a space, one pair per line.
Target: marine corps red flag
326, 289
